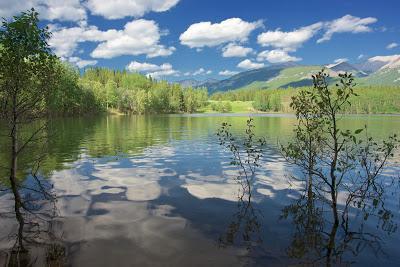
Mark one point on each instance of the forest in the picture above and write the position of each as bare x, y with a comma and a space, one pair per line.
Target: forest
101, 89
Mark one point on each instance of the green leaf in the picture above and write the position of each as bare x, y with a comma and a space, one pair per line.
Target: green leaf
358, 131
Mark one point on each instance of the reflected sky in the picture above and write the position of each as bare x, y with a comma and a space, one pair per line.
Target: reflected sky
146, 191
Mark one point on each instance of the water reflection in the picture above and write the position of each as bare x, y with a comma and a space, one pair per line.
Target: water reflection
109, 206
245, 227
316, 240
162, 191
29, 227
246, 155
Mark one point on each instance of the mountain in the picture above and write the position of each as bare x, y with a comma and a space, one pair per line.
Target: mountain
247, 77
196, 83
189, 83
289, 77
377, 63
389, 75
382, 70
275, 76
279, 76
342, 67
379, 70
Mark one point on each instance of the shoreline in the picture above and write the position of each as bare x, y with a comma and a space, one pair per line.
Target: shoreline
270, 114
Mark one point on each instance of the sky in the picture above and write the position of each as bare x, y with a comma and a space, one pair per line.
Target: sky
201, 39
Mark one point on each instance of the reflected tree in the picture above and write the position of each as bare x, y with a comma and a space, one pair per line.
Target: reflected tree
244, 229
308, 222
36, 226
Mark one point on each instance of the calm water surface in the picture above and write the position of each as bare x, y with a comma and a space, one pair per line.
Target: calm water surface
160, 191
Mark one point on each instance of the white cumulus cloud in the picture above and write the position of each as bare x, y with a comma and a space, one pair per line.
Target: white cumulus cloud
64, 41
392, 45
62, 10
153, 70
347, 23
289, 41
200, 71
208, 34
117, 9
227, 73
340, 60
235, 50
247, 64
139, 37
292, 40
276, 56
76, 10
81, 63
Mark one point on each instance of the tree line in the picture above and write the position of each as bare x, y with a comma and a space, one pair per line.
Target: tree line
136, 93
101, 89
371, 100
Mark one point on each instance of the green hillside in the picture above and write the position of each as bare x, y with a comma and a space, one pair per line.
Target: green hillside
290, 77
282, 76
245, 78
389, 76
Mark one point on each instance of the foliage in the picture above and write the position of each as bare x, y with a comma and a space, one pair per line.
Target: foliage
27, 68
222, 107
337, 163
71, 96
135, 93
235, 95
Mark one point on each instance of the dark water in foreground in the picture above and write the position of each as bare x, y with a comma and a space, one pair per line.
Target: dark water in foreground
160, 191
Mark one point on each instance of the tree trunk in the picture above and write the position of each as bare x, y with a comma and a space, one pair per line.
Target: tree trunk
13, 175
331, 244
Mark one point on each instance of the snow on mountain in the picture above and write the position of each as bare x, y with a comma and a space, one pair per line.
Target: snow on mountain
376, 63
343, 66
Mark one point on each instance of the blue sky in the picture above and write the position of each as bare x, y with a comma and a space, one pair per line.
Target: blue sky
180, 39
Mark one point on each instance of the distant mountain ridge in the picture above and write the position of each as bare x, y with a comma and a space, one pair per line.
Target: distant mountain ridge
344, 66
195, 83
379, 70
377, 63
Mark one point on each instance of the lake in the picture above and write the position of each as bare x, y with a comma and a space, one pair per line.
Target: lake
160, 191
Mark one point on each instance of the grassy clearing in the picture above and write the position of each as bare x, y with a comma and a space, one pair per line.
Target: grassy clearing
235, 107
